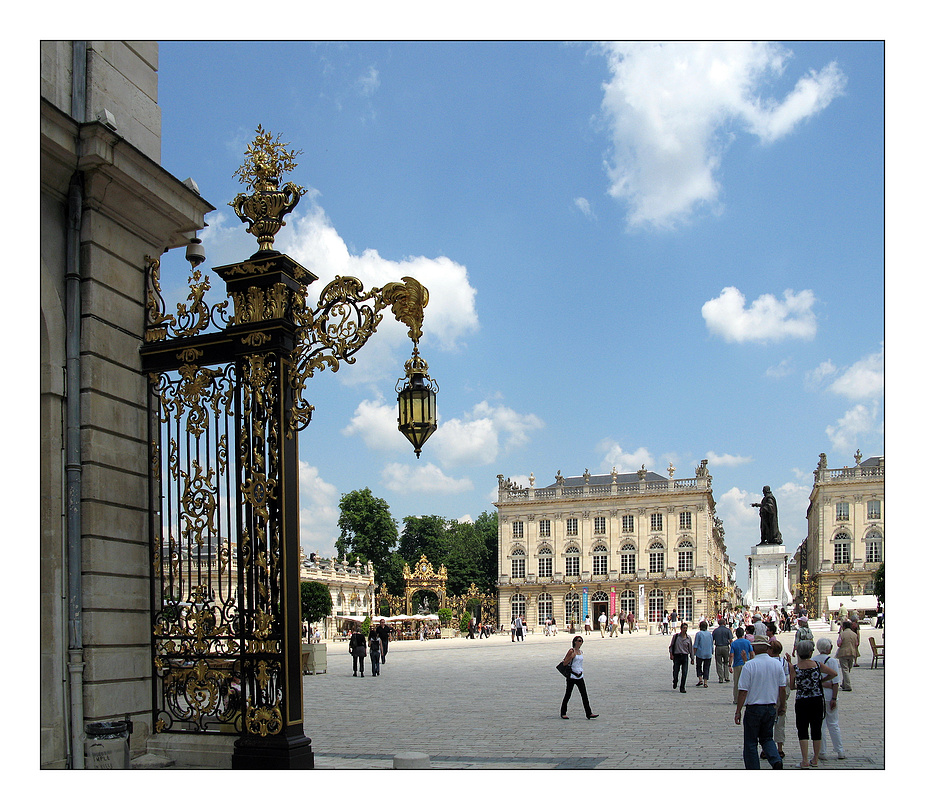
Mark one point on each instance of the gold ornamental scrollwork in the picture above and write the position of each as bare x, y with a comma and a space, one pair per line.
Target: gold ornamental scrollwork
264, 720
264, 209
343, 321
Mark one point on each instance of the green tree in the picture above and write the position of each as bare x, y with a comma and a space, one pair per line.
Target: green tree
425, 535
368, 531
472, 554
879, 584
392, 574
316, 602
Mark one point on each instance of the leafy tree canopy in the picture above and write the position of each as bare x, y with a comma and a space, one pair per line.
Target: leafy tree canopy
316, 601
368, 531
879, 583
423, 536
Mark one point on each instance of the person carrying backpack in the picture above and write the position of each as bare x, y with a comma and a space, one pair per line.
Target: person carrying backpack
803, 633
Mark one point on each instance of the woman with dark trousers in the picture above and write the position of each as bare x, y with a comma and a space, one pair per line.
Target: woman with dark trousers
807, 678
574, 659
358, 651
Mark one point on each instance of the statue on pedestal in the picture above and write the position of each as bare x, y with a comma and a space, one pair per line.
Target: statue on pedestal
767, 510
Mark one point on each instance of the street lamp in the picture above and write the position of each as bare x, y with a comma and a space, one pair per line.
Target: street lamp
417, 402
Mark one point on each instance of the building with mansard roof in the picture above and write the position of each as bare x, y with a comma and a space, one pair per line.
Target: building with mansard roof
636, 542
844, 543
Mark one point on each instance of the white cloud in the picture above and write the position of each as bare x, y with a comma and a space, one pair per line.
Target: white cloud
584, 206
482, 434
819, 374
624, 461
859, 421
476, 439
727, 459
427, 478
672, 109
376, 423
766, 319
312, 240
368, 83
863, 380
781, 370
319, 511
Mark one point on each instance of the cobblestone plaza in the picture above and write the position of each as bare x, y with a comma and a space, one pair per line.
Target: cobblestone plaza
492, 704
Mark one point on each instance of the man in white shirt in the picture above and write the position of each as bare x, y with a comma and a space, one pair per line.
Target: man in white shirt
602, 623
762, 691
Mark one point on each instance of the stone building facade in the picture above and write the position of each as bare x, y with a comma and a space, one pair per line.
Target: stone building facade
352, 587
844, 543
588, 544
105, 203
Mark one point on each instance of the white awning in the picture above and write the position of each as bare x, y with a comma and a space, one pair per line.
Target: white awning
852, 603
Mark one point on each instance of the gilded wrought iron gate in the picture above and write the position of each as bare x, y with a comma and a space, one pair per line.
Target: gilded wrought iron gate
226, 405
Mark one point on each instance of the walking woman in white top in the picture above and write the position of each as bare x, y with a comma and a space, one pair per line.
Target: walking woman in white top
575, 660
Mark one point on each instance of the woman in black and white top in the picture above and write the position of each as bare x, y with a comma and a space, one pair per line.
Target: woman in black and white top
575, 660
806, 682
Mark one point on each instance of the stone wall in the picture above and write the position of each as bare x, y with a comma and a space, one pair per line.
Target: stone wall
131, 208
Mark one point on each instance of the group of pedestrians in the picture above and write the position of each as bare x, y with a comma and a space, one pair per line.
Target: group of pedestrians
377, 644
767, 680
763, 680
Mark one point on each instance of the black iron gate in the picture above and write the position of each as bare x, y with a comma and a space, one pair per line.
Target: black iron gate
226, 405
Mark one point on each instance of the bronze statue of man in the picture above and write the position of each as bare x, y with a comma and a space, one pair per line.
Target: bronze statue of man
767, 510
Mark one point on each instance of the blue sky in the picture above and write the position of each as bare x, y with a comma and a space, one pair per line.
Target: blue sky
636, 253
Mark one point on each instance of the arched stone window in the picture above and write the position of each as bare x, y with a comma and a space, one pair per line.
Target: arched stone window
873, 546
869, 589
628, 601
686, 605
685, 556
572, 561
656, 558
599, 560
842, 552
544, 562
518, 563
656, 604
628, 559
518, 605
544, 606
842, 588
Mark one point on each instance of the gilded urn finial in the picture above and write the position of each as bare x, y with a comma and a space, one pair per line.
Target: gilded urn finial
264, 209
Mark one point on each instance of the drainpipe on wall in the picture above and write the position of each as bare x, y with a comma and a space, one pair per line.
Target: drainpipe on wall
73, 463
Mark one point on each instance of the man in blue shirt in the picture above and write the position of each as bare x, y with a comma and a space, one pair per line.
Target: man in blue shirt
742, 651
722, 638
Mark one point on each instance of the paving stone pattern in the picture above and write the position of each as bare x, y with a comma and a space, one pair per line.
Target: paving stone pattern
494, 704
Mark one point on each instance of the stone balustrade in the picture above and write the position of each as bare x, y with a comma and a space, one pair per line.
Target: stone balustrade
839, 474
515, 493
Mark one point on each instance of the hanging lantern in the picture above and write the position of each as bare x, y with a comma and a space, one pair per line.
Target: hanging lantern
417, 403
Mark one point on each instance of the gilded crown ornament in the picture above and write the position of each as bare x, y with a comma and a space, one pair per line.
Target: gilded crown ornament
264, 209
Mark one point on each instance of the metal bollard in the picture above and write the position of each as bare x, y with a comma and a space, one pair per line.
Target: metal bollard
410, 760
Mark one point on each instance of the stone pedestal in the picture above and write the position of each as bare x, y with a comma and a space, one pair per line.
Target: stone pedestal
768, 582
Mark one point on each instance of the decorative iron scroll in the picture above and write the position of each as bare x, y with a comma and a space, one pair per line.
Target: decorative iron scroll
190, 320
227, 396
196, 618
